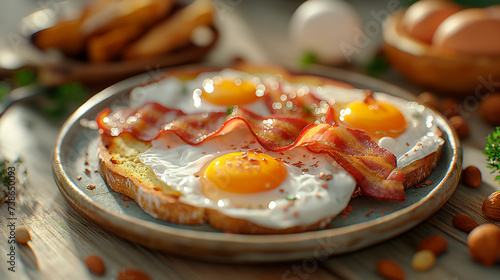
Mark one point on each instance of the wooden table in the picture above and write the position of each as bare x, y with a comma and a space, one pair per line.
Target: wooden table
61, 237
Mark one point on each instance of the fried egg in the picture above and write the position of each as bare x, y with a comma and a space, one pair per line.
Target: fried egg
404, 128
234, 175
211, 91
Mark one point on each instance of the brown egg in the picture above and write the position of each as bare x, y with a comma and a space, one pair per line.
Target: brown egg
422, 18
470, 31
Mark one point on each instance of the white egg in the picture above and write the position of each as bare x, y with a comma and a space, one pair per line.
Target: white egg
314, 197
324, 28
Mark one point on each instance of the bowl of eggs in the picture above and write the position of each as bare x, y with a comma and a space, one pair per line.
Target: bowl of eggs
444, 47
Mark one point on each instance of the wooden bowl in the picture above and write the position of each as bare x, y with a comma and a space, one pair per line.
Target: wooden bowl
446, 73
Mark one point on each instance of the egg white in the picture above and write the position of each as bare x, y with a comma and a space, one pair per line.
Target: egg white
301, 198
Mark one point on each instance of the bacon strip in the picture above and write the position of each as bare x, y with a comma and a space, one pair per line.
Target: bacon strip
151, 120
354, 150
360, 156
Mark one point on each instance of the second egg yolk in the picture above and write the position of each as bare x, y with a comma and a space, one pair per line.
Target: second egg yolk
242, 172
378, 119
228, 92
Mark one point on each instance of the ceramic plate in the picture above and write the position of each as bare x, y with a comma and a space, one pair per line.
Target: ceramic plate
75, 164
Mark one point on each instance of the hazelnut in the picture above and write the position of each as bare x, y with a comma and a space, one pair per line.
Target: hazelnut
489, 109
484, 244
450, 107
491, 206
22, 235
471, 176
428, 99
460, 126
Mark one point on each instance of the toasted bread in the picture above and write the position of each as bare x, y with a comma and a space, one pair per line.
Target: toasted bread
125, 174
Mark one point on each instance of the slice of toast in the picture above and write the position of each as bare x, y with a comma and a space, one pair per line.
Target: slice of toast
126, 174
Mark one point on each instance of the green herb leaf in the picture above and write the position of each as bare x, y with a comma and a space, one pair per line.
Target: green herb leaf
308, 59
306, 109
64, 97
492, 151
290, 198
4, 90
24, 77
229, 110
377, 66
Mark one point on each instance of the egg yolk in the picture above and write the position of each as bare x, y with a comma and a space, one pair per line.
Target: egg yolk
242, 172
227, 92
378, 119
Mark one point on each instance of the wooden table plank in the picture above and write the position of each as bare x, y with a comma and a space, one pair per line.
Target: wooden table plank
62, 238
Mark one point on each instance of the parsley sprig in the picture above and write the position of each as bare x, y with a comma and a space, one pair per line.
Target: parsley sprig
492, 151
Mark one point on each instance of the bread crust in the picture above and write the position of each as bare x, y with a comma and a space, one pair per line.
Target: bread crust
419, 170
235, 225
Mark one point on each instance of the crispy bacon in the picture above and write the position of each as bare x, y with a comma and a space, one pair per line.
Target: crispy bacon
360, 156
151, 120
354, 150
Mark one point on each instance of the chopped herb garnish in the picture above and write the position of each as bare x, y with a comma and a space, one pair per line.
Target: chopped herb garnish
306, 109
4, 167
62, 97
24, 77
492, 151
417, 115
308, 59
229, 110
377, 66
4, 90
290, 198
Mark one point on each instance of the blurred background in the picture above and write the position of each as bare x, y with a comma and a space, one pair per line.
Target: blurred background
89, 45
